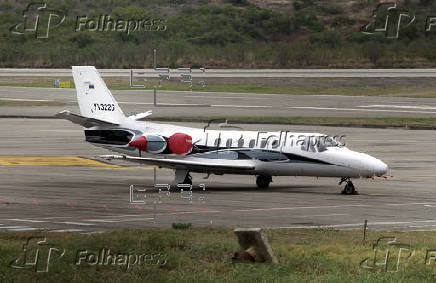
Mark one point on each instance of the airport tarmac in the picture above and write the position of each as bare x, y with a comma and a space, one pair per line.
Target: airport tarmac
50, 180
180, 103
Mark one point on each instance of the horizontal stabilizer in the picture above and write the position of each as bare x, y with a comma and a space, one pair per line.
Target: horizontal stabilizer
83, 121
140, 116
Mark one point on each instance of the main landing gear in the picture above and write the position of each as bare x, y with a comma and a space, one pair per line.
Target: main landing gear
183, 177
349, 188
188, 180
262, 182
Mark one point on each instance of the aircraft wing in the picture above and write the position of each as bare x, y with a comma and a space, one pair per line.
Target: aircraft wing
192, 164
83, 121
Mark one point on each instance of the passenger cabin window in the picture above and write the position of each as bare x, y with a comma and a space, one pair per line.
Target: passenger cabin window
251, 144
217, 142
241, 143
229, 143
263, 143
275, 143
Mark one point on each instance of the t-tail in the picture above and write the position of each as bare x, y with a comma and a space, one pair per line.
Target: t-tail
94, 98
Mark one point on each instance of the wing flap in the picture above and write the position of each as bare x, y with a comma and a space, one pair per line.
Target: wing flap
196, 164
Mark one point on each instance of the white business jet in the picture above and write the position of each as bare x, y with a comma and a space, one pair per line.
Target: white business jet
185, 149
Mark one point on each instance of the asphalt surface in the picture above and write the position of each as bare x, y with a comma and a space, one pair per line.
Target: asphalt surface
171, 103
45, 186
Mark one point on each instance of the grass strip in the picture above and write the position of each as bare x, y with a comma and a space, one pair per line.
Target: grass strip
204, 254
122, 84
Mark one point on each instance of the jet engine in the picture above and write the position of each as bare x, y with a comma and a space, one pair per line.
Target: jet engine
180, 143
150, 143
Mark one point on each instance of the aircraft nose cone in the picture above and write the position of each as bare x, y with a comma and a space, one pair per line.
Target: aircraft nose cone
372, 166
379, 167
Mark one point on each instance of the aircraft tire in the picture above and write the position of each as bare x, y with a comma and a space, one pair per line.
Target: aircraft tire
188, 180
349, 189
263, 182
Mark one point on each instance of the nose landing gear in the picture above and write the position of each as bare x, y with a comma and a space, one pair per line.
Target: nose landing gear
349, 187
262, 182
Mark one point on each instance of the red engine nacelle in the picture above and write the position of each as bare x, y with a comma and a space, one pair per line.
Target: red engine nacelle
140, 143
180, 143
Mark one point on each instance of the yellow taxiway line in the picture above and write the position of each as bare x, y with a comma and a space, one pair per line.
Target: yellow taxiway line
59, 161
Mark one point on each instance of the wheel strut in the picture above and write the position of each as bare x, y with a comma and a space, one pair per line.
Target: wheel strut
349, 188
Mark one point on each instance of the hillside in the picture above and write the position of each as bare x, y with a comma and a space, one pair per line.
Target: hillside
220, 34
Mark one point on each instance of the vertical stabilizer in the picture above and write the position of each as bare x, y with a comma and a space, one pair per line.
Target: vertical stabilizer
94, 98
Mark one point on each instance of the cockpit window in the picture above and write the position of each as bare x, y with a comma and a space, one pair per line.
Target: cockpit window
324, 142
319, 143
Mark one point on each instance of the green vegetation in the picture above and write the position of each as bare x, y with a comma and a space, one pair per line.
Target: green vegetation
204, 254
225, 33
370, 122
